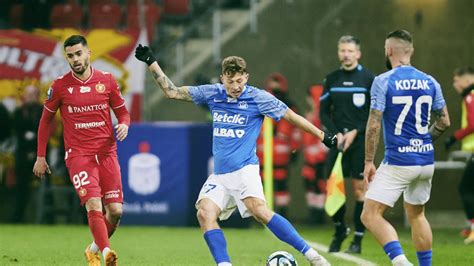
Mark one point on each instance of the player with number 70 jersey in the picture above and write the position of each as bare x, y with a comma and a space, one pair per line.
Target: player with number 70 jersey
406, 96
403, 99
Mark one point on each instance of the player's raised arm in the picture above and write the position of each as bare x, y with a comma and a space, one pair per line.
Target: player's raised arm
299, 121
145, 54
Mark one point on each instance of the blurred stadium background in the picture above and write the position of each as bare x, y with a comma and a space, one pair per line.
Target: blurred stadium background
294, 37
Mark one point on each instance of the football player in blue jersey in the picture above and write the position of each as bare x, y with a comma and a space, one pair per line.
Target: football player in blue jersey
403, 99
237, 112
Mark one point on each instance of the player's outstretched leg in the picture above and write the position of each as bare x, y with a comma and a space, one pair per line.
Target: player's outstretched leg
372, 217
421, 233
99, 231
207, 215
283, 229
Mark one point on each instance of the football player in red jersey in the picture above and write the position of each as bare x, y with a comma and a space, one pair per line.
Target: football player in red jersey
85, 96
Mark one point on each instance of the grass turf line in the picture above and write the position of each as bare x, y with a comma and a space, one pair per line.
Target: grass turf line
64, 245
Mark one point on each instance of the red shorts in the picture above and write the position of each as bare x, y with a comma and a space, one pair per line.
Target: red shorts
96, 176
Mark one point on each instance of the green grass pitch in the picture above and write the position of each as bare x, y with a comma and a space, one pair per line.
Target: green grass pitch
64, 245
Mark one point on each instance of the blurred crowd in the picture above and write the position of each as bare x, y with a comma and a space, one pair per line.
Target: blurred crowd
18, 140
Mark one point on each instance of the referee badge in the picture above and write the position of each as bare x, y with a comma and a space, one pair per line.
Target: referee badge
358, 99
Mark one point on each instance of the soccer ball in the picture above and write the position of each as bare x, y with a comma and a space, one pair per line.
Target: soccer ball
281, 258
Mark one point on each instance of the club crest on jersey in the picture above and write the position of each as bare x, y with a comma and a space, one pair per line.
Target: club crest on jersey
82, 192
85, 89
358, 99
243, 105
100, 88
50, 93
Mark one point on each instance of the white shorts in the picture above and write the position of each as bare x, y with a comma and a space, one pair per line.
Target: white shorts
228, 190
391, 180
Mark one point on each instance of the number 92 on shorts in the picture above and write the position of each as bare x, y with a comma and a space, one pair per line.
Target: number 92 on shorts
96, 176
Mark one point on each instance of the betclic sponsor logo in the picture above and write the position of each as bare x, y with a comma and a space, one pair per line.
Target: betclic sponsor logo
221, 117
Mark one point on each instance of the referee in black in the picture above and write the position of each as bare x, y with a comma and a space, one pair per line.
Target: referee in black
344, 110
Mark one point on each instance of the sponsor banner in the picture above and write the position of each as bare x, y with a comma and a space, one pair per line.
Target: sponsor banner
38, 58
163, 167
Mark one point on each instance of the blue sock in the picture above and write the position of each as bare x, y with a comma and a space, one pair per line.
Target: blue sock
393, 249
282, 229
424, 257
217, 245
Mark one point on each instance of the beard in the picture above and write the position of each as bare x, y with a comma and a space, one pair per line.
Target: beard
388, 64
82, 70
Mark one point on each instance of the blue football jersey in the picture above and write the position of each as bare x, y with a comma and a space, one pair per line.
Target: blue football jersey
236, 123
406, 96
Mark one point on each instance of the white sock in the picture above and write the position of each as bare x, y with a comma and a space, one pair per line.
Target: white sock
105, 251
93, 247
311, 253
224, 264
400, 258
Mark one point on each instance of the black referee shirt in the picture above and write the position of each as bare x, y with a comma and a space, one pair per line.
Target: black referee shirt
345, 101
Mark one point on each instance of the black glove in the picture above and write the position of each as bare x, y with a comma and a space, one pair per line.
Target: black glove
329, 140
145, 54
449, 141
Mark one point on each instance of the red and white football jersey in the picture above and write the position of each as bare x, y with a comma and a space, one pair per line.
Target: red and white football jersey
85, 111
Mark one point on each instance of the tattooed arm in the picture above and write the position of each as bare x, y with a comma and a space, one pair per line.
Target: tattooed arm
168, 87
146, 55
372, 134
440, 124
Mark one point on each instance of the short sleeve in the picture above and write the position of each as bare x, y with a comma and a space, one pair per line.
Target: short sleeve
438, 101
53, 100
116, 99
270, 106
378, 93
200, 94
